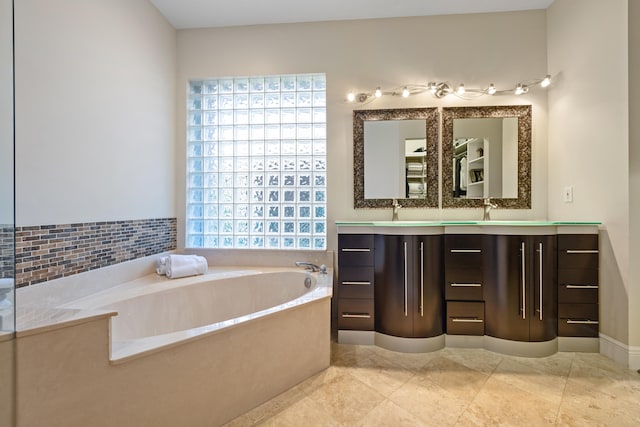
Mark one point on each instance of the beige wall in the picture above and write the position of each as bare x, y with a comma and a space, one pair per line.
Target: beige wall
634, 179
589, 138
7, 381
95, 111
360, 55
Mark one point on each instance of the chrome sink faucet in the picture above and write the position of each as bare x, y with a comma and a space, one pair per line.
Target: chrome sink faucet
487, 209
396, 209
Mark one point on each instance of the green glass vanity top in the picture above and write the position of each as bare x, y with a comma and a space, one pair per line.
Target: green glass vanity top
508, 223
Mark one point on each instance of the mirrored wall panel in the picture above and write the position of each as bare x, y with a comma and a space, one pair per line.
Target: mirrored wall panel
486, 153
395, 157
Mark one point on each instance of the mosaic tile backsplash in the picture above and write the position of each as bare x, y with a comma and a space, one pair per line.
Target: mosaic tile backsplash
47, 252
6, 251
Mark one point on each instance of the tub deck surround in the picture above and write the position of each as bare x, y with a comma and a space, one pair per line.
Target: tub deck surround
146, 372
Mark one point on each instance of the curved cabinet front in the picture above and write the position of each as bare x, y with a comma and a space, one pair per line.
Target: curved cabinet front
520, 295
408, 294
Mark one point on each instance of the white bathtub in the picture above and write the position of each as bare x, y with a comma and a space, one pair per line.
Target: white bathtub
217, 344
166, 312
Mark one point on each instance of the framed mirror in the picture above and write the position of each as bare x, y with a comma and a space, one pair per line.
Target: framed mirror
395, 155
486, 153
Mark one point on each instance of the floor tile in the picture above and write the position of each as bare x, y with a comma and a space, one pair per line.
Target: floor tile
372, 386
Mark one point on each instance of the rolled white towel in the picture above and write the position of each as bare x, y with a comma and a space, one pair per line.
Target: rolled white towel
161, 265
186, 265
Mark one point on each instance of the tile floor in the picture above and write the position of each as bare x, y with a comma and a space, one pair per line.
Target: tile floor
371, 386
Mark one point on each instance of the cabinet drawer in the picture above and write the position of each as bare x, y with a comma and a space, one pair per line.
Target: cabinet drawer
577, 241
578, 276
355, 314
578, 320
578, 251
355, 249
464, 284
577, 293
465, 318
355, 282
463, 251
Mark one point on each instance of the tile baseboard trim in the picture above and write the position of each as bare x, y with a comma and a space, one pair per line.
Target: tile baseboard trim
619, 352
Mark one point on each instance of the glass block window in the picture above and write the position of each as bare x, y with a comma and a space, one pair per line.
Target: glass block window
256, 162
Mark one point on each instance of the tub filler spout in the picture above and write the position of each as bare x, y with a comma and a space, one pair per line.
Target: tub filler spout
312, 267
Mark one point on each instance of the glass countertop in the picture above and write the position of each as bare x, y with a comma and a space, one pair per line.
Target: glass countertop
510, 223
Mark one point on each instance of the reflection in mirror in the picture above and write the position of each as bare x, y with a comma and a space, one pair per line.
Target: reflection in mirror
395, 157
397, 147
487, 154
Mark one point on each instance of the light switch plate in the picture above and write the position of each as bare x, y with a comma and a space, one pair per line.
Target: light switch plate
568, 194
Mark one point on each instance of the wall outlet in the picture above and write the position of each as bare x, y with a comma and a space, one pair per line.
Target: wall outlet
568, 194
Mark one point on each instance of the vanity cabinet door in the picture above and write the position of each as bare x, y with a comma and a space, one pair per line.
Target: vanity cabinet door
393, 292
409, 286
429, 292
521, 293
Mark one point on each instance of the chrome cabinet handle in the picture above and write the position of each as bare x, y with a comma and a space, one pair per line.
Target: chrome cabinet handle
356, 316
356, 250
524, 282
406, 285
582, 322
466, 285
422, 279
581, 286
582, 251
540, 268
464, 320
466, 251
356, 283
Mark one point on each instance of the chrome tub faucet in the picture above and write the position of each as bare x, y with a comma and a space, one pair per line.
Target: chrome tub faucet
312, 267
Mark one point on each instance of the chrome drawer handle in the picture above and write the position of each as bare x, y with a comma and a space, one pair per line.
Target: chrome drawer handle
356, 316
356, 283
466, 285
582, 251
356, 250
466, 251
582, 286
459, 320
582, 322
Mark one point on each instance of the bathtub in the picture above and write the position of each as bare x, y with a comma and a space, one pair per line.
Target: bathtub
193, 351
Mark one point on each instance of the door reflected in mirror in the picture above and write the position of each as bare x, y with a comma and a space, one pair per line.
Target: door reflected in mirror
395, 157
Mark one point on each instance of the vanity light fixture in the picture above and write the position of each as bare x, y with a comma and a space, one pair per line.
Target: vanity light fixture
546, 81
443, 89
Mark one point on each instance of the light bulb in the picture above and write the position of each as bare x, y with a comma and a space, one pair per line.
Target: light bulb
405, 92
351, 97
546, 81
519, 89
460, 89
378, 92
491, 90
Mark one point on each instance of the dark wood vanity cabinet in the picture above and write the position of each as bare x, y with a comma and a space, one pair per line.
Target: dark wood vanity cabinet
356, 282
464, 284
409, 291
578, 285
521, 289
